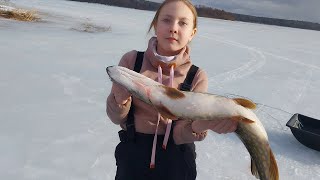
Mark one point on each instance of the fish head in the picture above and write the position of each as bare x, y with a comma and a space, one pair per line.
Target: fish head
137, 84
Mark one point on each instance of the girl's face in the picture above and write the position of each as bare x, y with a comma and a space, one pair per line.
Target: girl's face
174, 28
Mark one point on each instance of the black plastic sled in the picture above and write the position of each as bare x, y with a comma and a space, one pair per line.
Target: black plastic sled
306, 130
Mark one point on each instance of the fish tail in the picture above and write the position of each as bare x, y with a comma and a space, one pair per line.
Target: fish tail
273, 168
254, 169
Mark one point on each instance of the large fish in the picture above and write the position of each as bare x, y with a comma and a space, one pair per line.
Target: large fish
174, 104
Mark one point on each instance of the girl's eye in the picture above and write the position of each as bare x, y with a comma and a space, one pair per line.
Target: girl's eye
182, 23
166, 20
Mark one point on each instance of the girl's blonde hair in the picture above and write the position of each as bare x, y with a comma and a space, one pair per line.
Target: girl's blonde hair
186, 2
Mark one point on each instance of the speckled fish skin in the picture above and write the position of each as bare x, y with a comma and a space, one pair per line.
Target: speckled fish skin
175, 104
263, 163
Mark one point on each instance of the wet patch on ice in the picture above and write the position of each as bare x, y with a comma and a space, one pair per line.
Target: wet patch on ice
89, 27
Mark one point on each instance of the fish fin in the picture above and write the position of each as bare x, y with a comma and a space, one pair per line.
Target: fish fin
173, 93
246, 120
254, 169
242, 119
245, 103
273, 169
165, 112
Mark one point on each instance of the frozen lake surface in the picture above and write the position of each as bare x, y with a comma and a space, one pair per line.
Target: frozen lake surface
53, 88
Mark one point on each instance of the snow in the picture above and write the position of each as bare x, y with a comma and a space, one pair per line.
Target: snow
53, 88
6, 8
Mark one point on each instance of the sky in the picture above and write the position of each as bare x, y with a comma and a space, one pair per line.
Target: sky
307, 10
53, 87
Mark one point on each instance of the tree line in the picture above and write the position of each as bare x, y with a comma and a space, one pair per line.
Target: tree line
278, 22
204, 11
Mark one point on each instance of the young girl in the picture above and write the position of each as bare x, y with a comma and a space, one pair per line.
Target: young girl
152, 147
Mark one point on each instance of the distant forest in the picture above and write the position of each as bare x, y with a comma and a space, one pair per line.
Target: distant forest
204, 11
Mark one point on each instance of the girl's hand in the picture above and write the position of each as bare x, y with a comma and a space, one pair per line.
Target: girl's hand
121, 95
220, 126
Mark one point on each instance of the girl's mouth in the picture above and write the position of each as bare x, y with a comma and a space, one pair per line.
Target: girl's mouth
171, 39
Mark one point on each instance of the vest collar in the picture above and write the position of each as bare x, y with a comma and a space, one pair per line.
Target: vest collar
182, 58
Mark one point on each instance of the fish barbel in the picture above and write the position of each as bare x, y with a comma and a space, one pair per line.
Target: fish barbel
174, 104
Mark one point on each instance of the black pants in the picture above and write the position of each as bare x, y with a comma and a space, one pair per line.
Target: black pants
177, 162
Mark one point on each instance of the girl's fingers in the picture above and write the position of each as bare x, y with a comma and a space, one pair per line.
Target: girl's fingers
224, 126
220, 126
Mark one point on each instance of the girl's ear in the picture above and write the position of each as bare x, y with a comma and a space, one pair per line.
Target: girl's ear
194, 31
155, 28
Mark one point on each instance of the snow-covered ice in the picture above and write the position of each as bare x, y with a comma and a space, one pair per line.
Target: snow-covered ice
53, 88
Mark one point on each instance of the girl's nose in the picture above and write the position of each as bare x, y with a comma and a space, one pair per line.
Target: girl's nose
173, 28
173, 31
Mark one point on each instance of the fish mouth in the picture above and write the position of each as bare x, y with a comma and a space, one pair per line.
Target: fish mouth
108, 70
135, 83
111, 72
